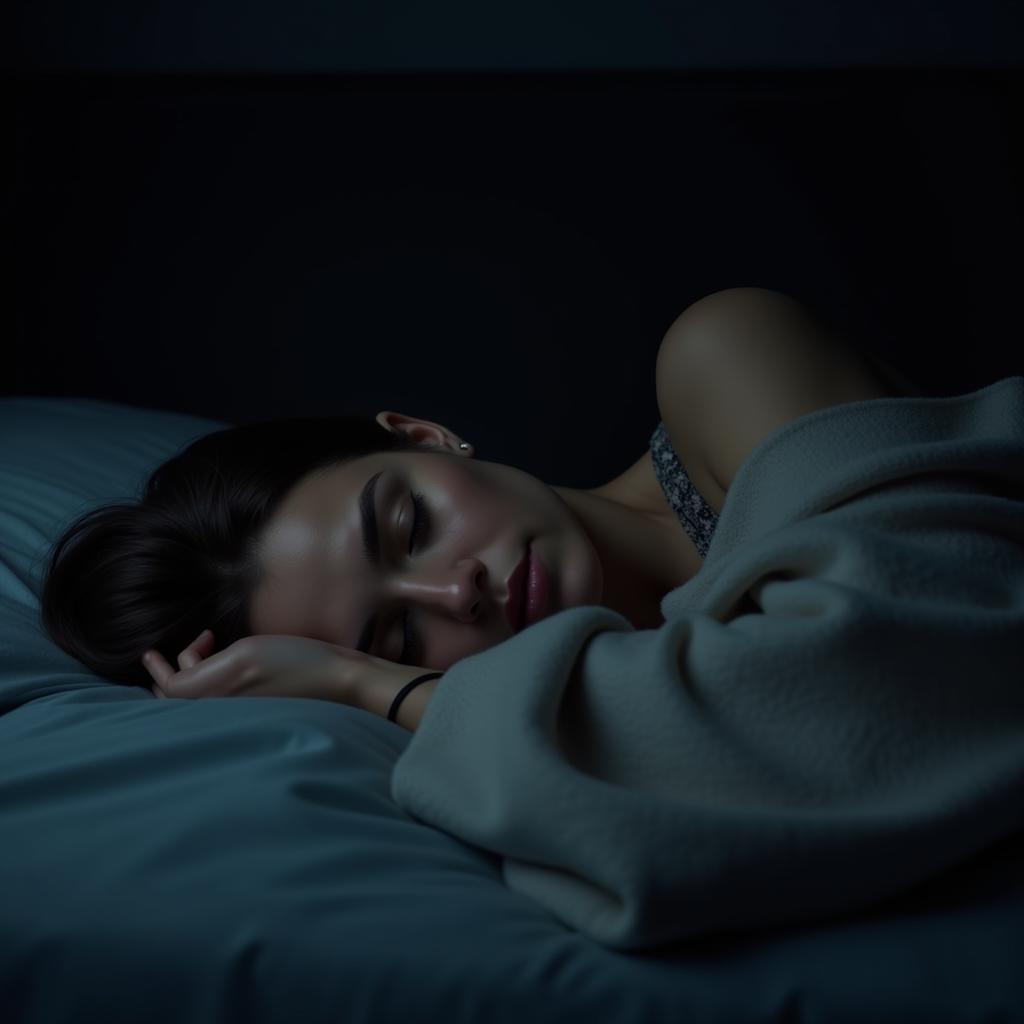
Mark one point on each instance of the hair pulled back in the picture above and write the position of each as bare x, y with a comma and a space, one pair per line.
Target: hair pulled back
129, 576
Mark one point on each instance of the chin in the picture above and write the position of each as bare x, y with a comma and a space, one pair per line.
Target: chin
593, 592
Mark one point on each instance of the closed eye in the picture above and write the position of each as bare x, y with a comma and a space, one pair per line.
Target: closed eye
412, 647
420, 522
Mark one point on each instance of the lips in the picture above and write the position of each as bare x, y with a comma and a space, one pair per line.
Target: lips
516, 583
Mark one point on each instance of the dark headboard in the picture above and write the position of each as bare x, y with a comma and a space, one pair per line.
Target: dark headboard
269, 223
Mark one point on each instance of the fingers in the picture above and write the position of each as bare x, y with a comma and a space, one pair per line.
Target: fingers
197, 650
157, 666
162, 671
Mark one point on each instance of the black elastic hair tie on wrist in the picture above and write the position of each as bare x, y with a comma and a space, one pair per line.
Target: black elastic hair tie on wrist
400, 696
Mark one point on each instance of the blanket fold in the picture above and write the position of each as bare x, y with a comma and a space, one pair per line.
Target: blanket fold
832, 712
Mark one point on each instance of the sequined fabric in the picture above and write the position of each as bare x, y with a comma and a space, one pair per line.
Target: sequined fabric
699, 519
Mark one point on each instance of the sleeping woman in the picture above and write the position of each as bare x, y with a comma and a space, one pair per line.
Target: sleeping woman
342, 558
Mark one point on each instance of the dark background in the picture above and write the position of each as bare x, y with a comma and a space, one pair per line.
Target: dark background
489, 217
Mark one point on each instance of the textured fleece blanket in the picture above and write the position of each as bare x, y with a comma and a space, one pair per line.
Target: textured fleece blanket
832, 712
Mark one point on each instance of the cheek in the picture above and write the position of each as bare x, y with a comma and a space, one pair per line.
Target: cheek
475, 505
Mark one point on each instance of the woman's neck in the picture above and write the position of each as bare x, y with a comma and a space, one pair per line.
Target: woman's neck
643, 556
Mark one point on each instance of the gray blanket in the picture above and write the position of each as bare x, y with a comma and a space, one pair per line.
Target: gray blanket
832, 712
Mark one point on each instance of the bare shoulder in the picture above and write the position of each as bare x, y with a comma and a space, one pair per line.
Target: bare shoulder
732, 368
739, 364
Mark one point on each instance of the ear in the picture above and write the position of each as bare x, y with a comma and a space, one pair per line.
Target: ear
424, 432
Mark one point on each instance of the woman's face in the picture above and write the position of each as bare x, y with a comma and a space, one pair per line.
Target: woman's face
479, 518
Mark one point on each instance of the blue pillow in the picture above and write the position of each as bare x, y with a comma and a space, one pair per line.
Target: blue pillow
159, 857
62, 457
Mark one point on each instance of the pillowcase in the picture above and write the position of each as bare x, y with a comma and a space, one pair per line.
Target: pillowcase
60, 457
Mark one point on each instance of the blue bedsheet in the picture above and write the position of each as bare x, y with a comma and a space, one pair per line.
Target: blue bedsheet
241, 859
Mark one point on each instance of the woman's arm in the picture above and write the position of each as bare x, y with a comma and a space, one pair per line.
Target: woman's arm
291, 666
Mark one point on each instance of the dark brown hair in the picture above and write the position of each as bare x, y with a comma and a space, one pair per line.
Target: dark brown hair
126, 577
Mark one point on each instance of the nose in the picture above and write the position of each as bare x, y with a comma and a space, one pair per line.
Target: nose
452, 590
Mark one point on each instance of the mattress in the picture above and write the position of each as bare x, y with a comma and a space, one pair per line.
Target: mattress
240, 859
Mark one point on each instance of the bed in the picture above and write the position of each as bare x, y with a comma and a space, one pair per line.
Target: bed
242, 859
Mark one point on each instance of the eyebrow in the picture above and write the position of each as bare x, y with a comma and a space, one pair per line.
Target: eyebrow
371, 547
